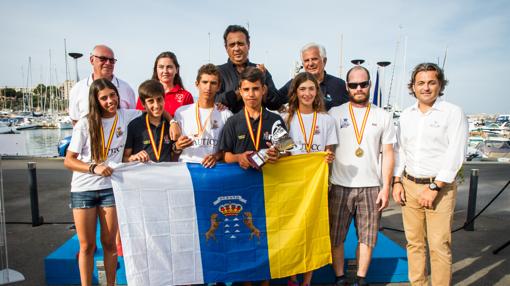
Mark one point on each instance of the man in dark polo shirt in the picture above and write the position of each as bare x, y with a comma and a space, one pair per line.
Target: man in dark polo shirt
313, 57
148, 135
237, 45
251, 129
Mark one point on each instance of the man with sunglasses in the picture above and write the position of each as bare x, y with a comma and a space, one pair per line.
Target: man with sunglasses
103, 63
313, 57
432, 141
359, 189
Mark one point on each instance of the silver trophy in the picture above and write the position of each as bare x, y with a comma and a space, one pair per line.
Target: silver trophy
281, 142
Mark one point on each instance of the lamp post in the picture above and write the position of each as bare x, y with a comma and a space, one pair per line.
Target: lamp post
76, 56
381, 66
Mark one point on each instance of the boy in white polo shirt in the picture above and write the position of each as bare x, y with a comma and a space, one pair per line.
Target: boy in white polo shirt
202, 122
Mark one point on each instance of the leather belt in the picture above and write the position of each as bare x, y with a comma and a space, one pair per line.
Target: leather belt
419, 180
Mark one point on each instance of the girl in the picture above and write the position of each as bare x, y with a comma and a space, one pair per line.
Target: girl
311, 128
97, 139
166, 71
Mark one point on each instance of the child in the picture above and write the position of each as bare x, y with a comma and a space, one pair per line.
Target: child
202, 121
311, 128
251, 129
97, 139
148, 135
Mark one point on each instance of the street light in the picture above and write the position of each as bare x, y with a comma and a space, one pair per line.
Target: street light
76, 56
357, 62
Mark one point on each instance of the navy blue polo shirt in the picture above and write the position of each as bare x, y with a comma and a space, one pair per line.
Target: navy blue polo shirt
333, 89
138, 138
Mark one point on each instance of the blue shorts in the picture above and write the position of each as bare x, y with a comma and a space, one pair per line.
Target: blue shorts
91, 199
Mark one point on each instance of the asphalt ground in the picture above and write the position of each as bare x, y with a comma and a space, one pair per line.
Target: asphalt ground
474, 262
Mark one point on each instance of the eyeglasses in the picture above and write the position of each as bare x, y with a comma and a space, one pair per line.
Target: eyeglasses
104, 59
354, 85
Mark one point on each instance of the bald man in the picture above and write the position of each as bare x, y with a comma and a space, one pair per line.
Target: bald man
103, 62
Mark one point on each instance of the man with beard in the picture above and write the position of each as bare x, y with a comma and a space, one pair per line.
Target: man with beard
237, 45
358, 188
313, 58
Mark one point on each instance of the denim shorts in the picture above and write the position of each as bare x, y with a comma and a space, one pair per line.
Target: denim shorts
91, 199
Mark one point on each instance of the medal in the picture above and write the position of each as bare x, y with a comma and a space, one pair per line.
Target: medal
201, 128
106, 148
359, 133
308, 144
255, 141
157, 152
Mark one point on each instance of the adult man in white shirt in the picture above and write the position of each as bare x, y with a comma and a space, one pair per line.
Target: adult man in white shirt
103, 63
432, 139
201, 122
359, 188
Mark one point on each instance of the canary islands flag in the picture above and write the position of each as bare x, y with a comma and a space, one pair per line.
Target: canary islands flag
184, 224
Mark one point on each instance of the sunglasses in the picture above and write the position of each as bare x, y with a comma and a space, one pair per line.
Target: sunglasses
104, 59
354, 85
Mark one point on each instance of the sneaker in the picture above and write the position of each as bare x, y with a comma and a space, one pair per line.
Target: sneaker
360, 281
340, 280
291, 282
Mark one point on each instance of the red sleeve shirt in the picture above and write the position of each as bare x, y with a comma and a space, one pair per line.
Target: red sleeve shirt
174, 99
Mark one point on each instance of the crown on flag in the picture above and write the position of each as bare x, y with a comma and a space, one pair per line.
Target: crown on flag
230, 209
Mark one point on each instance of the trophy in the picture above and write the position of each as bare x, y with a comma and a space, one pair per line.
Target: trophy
281, 142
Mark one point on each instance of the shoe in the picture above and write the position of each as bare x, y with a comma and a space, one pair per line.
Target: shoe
360, 281
291, 282
340, 280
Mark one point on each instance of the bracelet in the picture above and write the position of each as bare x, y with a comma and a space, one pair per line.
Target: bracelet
175, 149
172, 121
91, 168
397, 182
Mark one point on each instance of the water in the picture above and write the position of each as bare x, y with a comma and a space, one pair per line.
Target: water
44, 142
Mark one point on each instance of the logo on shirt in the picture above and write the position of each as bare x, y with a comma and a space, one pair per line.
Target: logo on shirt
214, 124
344, 123
317, 131
435, 124
166, 139
328, 97
179, 97
241, 137
374, 124
119, 132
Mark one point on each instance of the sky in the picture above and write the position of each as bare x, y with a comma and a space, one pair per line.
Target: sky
476, 35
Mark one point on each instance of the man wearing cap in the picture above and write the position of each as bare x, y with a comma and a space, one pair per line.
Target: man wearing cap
432, 139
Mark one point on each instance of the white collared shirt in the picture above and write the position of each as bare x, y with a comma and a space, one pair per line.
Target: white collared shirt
79, 97
431, 144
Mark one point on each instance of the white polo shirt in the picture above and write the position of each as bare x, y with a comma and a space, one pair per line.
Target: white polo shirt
324, 135
79, 97
348, 169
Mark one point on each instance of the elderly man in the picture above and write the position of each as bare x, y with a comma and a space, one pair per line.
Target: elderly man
313, 57
432, 139
237, 45
103, 63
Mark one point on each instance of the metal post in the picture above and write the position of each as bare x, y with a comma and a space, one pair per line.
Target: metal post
34, 197
473, 189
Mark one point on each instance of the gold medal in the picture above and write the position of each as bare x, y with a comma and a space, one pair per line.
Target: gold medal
359, 152
255, 141
106, 147
359, 133
157, 151
309, 143
201, 128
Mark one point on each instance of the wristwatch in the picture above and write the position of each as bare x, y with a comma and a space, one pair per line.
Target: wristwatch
434, 187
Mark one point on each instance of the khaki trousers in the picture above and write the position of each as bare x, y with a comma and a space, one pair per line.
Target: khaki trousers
429, 226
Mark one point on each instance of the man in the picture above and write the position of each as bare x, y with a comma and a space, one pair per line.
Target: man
313, 57
202, 121
363, 131
237, 45
103, 63
432, 139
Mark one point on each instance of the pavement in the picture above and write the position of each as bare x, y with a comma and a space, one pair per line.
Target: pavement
474, 262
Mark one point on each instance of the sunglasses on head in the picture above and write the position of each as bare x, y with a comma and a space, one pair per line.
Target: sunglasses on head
104, 59
354, 85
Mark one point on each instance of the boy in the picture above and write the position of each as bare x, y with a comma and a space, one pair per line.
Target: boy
202, 122
148, 135
251, 129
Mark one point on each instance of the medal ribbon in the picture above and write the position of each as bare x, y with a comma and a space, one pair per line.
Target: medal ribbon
201, 128
106, 148
256, 142
308, 144
359, 134
157, 152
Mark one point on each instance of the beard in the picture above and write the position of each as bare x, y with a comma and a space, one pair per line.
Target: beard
356, 99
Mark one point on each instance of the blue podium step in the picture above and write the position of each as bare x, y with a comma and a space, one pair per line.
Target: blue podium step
389, 263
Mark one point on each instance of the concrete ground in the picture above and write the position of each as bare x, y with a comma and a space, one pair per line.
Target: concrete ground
474, 263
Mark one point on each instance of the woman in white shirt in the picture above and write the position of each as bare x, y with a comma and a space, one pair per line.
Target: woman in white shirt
98, 138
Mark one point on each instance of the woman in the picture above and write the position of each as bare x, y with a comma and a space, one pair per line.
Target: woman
166, 71
97, 139
311, 128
